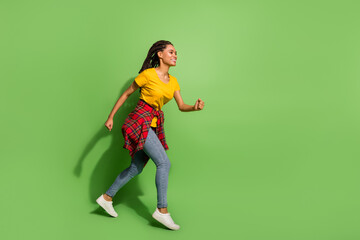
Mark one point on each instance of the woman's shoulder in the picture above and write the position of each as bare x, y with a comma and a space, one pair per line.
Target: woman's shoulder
173, 78
174, 82
152, 72
146, 71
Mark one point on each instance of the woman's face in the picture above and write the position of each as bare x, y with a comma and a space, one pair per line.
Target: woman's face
168, 55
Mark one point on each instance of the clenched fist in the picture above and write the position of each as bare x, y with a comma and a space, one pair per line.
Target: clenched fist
199, 105
109, 123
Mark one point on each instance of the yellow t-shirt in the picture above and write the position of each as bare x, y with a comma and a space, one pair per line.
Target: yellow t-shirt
154, 91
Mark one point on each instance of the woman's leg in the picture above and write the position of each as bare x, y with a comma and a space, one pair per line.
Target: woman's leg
135, 168
155, 150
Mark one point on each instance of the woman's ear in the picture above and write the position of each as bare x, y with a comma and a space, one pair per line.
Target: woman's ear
159, 53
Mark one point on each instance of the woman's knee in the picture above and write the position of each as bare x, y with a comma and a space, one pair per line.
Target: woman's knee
165, 163
135, 169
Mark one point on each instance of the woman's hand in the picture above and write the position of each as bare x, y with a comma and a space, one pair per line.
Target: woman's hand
109, 123
199, 105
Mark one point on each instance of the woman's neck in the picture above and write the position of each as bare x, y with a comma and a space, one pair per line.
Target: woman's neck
163, 70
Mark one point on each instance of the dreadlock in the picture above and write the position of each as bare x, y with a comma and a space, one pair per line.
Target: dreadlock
152, 59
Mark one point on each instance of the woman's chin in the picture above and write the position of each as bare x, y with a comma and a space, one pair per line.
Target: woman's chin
172, 64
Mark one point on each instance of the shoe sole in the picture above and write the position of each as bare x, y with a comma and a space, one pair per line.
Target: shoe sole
100, 204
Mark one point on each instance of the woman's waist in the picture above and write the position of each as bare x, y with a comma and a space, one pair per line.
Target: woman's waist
156, 104
151, 106
144, 106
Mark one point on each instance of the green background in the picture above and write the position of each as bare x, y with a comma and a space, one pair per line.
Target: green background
273, 155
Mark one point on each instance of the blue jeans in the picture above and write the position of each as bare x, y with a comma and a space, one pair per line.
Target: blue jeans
155, 150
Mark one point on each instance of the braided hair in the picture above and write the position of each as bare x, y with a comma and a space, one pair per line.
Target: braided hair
152, 59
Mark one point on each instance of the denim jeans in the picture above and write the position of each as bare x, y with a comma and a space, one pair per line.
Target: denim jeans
155, 150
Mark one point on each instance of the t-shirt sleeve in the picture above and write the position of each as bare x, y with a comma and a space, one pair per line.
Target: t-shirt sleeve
176, 84
141, 79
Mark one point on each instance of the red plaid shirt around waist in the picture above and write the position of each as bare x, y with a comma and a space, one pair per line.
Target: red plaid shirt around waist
136, 128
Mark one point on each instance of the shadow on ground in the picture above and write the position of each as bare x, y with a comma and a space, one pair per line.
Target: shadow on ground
114, 160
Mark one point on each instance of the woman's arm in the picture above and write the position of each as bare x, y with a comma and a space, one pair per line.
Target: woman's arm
199, 105
133, 87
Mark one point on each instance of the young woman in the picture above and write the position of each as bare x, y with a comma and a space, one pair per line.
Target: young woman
143, 129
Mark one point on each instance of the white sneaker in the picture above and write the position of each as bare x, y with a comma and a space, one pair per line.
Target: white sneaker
165, 219
107, 206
